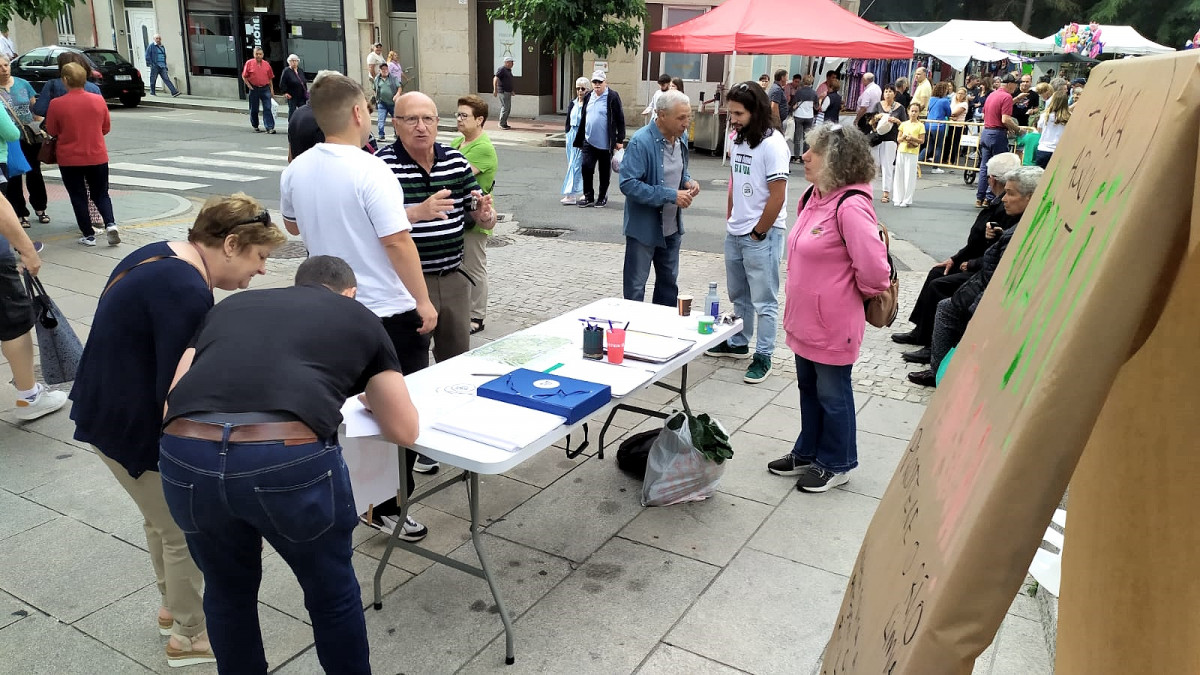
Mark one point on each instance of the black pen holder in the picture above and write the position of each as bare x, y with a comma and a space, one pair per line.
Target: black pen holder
593, 343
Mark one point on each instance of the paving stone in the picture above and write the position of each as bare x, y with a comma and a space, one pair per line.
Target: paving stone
39, 645
12, 610
31, 460
574, 517
1021, 649
788, 398
439, 620
728, 399
128, 626
669, 660
497, 496
585, 624
822, 530
90, 569
895, 418
549, 465
96, 498
776, 422
1025, 605
710, 531
21, 514
878, 457
446, 533
780, 628
746, 474
280, 589
57, 425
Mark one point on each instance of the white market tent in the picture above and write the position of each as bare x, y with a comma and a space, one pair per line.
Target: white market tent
1003, 35
1119, 40
956, 51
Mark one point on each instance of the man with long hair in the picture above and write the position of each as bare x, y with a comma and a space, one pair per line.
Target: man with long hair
754, 227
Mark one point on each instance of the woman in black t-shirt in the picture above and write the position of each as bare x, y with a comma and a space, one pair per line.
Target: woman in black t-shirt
149, 310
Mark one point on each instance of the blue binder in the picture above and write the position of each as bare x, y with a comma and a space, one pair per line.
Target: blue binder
547, 392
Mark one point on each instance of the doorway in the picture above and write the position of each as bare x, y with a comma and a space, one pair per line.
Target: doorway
404, 43
266, 31
142, 29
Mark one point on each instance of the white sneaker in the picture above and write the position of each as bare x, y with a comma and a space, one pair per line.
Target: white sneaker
412, 530
937, 171
425, 465
569, 200
88, 241
114, 237
45, 402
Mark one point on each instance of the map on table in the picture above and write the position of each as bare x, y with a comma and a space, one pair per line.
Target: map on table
518, 350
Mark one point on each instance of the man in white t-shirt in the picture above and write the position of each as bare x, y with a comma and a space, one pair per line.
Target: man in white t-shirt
345, 202
871, 94
375, 59
7, 47
754, 227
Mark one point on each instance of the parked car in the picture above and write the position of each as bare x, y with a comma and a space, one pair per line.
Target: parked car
116, 77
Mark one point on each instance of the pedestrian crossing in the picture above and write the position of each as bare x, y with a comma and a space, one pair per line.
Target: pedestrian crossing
181, 174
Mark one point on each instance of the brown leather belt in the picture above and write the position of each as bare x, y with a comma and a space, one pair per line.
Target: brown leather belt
291, 433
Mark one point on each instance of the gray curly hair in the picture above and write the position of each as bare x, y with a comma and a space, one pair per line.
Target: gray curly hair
847, 156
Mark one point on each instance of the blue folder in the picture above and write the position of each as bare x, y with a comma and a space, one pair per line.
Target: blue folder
547, 392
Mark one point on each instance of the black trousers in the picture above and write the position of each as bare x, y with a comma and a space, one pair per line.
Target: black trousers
79, 181
937, 287
413, 350
15, 192
591, 156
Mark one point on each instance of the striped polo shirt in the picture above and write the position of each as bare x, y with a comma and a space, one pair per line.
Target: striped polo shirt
439, 242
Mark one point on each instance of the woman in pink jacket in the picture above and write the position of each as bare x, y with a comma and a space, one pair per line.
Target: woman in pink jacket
835, 259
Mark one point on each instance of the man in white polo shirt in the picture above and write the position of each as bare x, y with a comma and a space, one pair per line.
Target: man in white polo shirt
345, 202
754, 227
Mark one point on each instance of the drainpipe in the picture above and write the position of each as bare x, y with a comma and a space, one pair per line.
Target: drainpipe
95, 34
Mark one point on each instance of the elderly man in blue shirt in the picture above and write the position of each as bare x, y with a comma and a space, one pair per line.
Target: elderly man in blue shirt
602, 132
156, 58
657, 187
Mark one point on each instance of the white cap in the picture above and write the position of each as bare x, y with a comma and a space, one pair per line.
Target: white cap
599, 76
509, 59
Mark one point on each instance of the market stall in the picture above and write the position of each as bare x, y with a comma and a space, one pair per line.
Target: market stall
1003, 35
801, 28
1115, 40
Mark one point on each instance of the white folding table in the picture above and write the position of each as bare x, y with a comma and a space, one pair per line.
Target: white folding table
442, 389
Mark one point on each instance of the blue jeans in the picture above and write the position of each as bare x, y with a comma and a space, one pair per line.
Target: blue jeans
292, 105
227, 497
155, 72
382, 111
827, 425
991, 143
639, 257
261, 96
1042, 158
752, 275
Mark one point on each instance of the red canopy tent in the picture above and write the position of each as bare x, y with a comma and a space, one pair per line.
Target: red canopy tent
798, 27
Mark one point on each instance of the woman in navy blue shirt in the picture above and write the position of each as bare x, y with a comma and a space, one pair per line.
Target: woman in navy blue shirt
149, 310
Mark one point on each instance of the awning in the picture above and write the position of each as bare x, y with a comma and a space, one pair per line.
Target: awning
1120, 40
999, 34
798, 27
956, 52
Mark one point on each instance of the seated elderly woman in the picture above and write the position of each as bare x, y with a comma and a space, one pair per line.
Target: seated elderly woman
953, 313
835, 259
948, 275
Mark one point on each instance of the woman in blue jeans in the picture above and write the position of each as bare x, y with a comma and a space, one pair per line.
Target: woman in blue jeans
148, 311
835, 260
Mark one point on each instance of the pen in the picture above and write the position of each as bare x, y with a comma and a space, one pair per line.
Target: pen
486, 374
553, 368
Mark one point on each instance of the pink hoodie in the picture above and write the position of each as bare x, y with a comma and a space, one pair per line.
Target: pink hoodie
828, 277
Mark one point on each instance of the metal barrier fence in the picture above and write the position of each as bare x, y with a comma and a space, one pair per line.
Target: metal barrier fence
954, 145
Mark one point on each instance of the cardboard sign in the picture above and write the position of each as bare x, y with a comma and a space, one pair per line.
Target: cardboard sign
1080, 287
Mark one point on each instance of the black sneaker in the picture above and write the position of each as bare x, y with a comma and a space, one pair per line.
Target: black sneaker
412, 530
602, 202
726, 349
922, 355
819, 480
584, 203
788, 465
425, 465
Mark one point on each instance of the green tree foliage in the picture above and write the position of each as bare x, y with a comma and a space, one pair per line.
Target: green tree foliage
31, 10
577, 26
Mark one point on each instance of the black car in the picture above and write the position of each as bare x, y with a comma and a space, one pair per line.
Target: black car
116, 77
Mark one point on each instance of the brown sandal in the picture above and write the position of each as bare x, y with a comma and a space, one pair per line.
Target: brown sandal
42, 217
885, 198
25, 223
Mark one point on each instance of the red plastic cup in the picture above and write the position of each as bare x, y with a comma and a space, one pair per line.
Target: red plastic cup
616, 345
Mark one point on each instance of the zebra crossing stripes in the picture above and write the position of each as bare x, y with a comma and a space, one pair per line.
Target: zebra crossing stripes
182, 171
138, 181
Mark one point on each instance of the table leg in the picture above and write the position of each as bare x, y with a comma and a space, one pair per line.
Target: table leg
402, 499
473, 498
681, 390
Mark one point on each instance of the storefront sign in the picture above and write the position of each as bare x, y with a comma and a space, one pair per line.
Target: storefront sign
256, 30
506, 42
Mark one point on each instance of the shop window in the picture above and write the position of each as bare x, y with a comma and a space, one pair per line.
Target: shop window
212, 42
404, 6
689, 67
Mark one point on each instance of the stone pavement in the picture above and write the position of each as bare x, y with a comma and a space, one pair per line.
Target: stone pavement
748, 581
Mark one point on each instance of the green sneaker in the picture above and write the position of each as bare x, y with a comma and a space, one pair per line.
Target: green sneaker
759, 369
726, 349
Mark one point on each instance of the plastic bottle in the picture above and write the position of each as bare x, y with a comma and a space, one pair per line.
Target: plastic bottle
712, 303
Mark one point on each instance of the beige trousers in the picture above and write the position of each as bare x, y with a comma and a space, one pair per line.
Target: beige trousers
475, 265
179, 580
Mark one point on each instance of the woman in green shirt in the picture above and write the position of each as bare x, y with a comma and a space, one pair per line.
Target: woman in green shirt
479, 151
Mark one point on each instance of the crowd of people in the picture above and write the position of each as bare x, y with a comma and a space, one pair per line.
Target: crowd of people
232, 463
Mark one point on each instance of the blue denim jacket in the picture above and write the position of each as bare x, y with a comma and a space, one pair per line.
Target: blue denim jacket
642, 185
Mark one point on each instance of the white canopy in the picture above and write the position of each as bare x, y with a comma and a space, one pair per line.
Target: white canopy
1120, 40
999, 34
955, 51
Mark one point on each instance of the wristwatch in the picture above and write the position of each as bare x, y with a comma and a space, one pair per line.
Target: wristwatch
756, 236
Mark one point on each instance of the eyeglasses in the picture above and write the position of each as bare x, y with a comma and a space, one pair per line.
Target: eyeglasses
462, 116
581, 88
263, 217
413, 120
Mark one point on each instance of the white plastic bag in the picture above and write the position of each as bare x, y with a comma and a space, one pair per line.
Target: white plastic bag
274, 107
676, 471
616, 160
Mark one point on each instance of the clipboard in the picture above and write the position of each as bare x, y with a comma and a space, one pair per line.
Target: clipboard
654, 348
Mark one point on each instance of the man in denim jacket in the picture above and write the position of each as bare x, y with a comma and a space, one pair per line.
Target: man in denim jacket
657, 187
